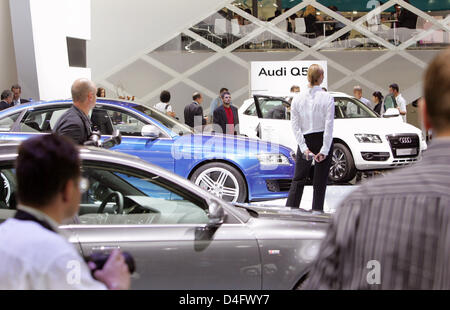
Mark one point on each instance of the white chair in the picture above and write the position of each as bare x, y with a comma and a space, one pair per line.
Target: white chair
300, 26
235, 28
220, 26
374, 23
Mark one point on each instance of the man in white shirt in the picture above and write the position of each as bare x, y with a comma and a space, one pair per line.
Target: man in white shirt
164, 105
401, 102
357, 92
312, 119
34, 253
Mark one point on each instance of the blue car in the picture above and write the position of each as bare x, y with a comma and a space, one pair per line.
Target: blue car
236, 169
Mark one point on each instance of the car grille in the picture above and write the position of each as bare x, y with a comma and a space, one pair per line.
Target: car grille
403, 162
282, 185
402, 144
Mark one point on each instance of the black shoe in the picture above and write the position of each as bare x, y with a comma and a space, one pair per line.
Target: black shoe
317, 212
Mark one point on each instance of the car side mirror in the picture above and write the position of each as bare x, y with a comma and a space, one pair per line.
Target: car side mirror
150, 131
216, 215
392, 112
116, 139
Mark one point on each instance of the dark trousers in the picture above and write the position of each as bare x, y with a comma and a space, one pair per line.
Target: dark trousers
314, 142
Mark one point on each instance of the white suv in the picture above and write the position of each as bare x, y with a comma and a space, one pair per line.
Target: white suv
362, 139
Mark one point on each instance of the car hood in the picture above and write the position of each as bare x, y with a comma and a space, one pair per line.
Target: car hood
235, 144
282, 213
385, 126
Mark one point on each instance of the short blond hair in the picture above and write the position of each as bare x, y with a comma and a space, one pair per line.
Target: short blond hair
315, 71
310, 10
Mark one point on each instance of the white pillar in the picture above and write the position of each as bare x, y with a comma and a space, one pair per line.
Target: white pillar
40, 30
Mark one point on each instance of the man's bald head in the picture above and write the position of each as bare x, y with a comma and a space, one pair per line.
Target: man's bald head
81, 89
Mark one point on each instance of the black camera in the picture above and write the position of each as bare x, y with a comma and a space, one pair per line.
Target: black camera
99, 259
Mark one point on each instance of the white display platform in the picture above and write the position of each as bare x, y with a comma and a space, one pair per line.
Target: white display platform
334, 196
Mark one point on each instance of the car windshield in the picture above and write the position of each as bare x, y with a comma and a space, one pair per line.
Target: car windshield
175, 126
352, 108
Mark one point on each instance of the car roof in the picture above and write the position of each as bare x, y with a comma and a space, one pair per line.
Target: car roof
333, 93
118, 102
11, 146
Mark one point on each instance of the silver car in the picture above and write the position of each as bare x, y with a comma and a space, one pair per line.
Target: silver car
180, 236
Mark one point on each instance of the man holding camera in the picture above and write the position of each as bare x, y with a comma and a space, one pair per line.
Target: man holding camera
75, 122
34, 253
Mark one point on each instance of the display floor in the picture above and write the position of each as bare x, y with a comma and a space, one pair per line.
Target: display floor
334, 196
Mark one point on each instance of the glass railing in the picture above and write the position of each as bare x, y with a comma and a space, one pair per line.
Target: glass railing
294, 26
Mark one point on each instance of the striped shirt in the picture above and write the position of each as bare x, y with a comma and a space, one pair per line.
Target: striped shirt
393, 232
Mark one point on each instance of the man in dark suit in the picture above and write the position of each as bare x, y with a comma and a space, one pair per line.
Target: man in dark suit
407, 19
17, 91
7, 97
226, 116
75, 122
193, 113
394, 232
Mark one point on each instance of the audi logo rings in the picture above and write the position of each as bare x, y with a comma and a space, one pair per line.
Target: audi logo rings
405, 140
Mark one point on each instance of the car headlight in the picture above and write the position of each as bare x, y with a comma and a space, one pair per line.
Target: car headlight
366, 138
273, 159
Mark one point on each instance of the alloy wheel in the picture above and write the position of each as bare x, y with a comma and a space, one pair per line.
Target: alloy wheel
338, 165
219, 182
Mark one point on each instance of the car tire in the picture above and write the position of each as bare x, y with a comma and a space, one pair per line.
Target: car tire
342, 168
215, 177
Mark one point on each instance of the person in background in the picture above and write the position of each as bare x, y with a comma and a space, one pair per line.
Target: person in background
75, 122
17, 91
164, 105
6, 100
226, 116
357, 92
295, 89
407, 19
401, 102
339, 25
217, 102
101, 92
312, 119
291, 22
243, 21
393, 233
193, 113
34, 253
311, 19
377, 98
277, 13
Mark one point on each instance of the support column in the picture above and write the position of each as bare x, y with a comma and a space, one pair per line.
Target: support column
40, 31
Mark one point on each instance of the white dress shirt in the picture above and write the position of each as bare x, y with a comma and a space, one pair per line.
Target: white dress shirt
313, 111
401, 103
35, 258
161, 106
366, 102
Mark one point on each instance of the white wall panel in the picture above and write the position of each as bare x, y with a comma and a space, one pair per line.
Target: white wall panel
123, 30
7, 57
41, 28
